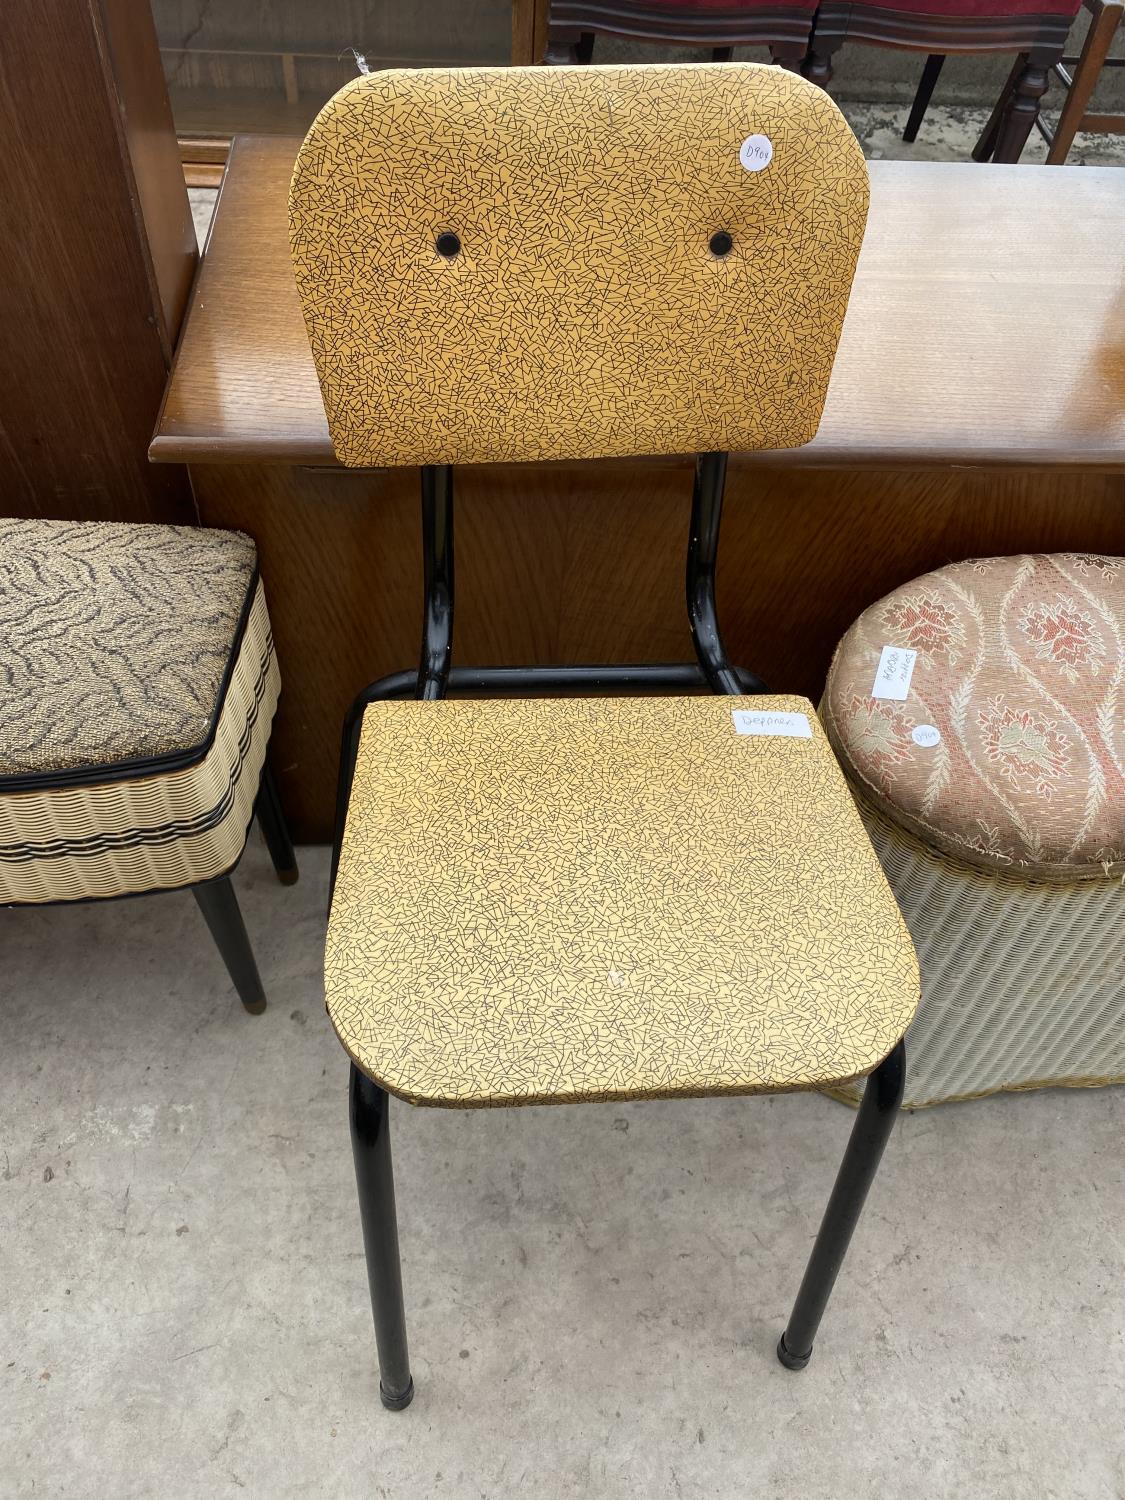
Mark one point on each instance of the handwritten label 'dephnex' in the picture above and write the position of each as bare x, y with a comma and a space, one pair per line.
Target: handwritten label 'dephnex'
761, 721
896, 667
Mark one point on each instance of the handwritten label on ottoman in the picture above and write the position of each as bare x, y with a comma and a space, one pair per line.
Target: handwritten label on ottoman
896, 667
925, 735
761, 721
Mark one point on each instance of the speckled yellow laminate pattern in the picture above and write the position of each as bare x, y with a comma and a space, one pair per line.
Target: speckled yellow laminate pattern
582, 899
585, 313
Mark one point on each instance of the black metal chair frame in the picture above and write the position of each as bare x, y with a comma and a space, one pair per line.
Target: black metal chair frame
369, 1105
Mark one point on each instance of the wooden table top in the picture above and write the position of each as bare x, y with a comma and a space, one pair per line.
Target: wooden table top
986, 326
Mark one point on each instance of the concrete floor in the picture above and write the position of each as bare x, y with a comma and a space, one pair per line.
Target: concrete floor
593, 1293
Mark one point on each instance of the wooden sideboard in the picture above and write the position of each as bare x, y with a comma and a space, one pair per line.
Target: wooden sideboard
97, 255
977, 407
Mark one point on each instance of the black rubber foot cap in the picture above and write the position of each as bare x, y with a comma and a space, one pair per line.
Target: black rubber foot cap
396, 1403
254, 1007
791, 1361
288, 877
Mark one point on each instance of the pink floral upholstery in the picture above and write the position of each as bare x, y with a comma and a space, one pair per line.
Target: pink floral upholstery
1021, 671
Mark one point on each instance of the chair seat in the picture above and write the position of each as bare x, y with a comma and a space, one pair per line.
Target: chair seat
559, 899
138, 682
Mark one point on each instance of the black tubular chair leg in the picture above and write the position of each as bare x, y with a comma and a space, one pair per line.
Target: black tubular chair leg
219, 905
930, 74
870, 1133
267, 807
371, 1148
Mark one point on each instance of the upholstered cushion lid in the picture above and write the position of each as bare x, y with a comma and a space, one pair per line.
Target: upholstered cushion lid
1009, 747
114, 639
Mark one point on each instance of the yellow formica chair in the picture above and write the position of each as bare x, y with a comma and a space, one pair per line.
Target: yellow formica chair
572, 899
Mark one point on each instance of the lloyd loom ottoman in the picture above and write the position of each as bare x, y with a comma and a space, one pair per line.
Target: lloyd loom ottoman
138, 683
979, 714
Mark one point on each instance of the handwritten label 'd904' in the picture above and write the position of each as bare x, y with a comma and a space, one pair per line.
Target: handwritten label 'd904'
756, 152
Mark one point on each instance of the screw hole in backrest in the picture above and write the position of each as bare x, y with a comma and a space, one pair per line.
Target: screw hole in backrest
721, 243
448, 245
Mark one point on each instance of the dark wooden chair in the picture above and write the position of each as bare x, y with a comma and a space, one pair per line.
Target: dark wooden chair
1105, 18
573, 26
1035, 30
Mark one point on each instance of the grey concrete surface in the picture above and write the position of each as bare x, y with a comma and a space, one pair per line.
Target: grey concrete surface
594, 1293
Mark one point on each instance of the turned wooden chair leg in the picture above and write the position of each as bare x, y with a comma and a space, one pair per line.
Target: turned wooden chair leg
1095, 49
1023, 110
788, 55
818, 64
985, 147
567, 46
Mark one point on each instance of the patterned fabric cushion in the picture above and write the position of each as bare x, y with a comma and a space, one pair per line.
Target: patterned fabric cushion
114, 639
1009, 749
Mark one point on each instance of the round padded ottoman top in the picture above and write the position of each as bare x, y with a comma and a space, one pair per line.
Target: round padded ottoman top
115, 639
1007, 746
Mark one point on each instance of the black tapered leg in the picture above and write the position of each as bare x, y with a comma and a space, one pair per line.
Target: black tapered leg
371, 1147
219, 905
922, 98
267, 806
870, 1133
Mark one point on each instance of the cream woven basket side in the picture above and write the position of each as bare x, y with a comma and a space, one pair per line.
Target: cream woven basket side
1023, 981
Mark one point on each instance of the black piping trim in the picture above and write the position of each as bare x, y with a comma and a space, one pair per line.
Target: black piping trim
144, 765
102, 843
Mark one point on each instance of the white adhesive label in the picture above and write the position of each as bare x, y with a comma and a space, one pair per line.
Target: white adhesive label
925, 735
756, 152
896, 667
760, 721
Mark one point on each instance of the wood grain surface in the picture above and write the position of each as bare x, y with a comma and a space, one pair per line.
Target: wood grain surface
1001, 434
97, 252
586, 564
986, 326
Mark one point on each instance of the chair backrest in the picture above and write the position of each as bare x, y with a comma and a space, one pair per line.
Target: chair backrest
536, 263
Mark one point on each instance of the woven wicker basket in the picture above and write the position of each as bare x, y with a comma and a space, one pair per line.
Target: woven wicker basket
1023, 981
